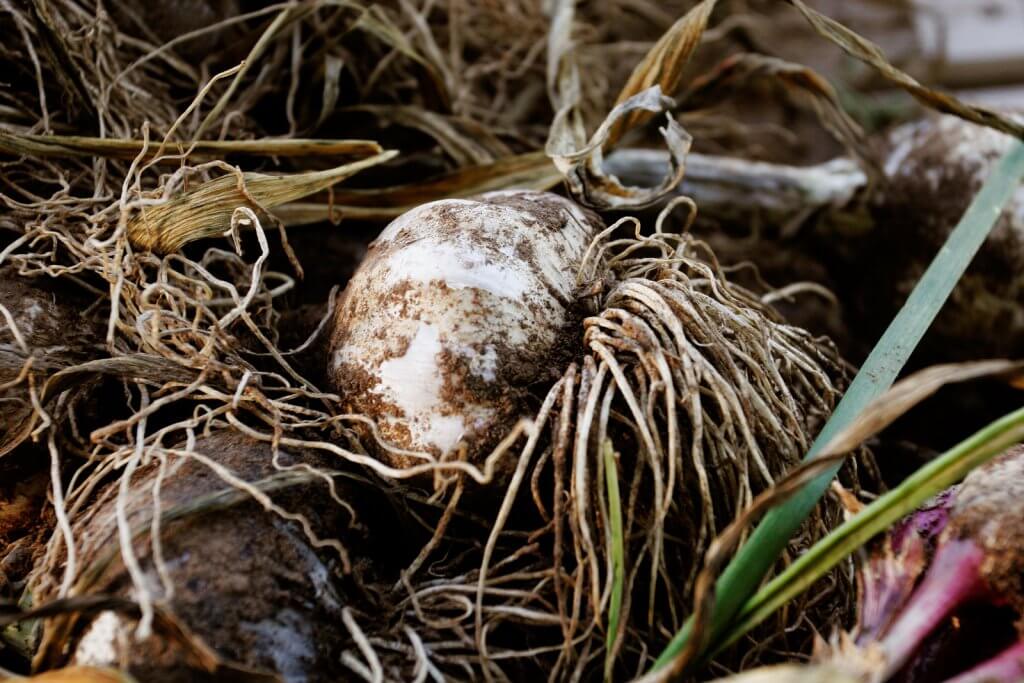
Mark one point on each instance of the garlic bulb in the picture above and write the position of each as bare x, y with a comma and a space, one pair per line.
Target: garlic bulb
932, 172
249, 582
460, 305
45, 327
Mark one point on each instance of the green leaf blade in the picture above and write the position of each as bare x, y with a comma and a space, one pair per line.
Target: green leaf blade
914, 491
618, 556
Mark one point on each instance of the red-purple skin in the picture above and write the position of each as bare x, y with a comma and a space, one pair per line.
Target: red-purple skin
965, 547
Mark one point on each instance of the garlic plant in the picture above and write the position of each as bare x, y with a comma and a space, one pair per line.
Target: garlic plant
511, 333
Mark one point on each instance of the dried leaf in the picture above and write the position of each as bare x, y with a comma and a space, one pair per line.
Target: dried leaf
907, 393
866, 51
721, 186
74, 146
206, 211
525, 171
641, 98
583, 166
663, 65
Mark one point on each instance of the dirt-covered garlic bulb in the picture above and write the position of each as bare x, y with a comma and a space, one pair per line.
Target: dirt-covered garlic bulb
933, 170
44, 328
248, 582
460, 305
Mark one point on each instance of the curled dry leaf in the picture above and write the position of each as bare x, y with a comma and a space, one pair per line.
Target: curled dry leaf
579, 160
660, 70
207, 210
722, 186
663, 65
582, 166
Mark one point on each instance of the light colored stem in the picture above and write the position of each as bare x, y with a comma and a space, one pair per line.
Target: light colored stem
729, 186
724, 187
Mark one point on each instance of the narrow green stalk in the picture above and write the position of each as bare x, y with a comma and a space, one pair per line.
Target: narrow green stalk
928, 481
611, 476
753, 561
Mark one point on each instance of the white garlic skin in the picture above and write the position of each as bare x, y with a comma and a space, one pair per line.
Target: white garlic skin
459, 306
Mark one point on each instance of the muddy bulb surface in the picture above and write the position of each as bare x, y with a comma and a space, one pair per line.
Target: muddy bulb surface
460, 305
934, 169
245, 581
